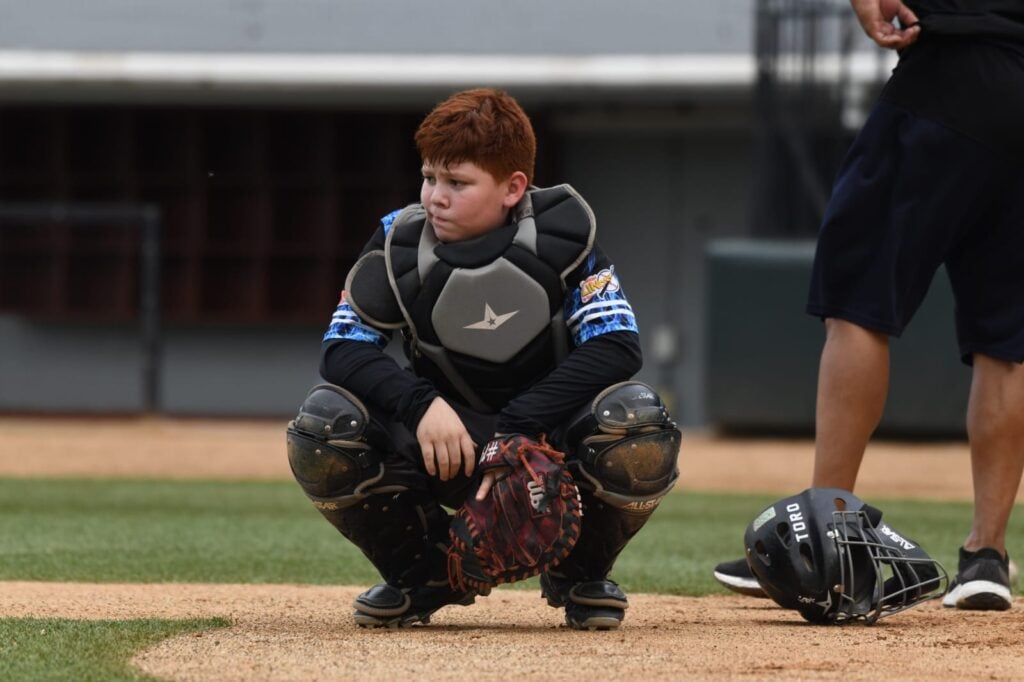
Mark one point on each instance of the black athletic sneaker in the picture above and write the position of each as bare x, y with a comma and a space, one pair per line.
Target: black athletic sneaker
385, 606
595, 605
736, 576
982, 582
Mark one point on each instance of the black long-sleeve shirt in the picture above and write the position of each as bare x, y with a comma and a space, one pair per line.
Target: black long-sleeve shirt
375, 377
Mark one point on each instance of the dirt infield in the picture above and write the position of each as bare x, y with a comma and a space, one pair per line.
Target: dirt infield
288, 632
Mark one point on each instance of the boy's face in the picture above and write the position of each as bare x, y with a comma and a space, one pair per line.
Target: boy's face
463, 200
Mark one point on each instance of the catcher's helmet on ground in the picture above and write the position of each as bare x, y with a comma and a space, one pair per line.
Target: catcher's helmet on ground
829, 556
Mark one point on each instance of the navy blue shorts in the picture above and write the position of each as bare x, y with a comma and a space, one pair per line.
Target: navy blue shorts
913, 195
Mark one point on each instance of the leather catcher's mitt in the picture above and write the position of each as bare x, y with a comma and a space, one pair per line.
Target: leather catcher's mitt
529, 521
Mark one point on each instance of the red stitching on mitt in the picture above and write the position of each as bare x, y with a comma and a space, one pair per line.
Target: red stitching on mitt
528, 522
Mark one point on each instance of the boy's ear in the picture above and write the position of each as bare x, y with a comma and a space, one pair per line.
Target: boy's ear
517, 186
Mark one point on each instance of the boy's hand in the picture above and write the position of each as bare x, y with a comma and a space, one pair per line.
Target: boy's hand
444, 441
493, 460
876, 17
487, 482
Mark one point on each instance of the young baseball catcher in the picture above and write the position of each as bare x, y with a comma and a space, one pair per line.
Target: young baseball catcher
516, 409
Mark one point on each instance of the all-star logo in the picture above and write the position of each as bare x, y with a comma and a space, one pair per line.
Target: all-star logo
491, 321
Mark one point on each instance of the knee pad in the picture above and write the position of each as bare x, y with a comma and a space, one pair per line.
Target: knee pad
625, 447
328, 449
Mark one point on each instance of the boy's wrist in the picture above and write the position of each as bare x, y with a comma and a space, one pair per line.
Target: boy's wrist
417, 408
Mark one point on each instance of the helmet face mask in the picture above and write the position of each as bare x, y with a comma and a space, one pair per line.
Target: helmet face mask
828, 555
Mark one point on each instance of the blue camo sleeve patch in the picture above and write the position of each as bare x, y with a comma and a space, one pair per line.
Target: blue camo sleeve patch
598, 306
346, 324
388, 220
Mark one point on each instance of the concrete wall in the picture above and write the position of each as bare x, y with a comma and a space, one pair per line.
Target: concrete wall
51, 367
230, 371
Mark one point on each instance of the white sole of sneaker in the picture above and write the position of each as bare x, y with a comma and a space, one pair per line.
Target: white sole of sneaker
747, 586
980, 595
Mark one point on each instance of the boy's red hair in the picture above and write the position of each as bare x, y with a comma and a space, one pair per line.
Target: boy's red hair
483, 126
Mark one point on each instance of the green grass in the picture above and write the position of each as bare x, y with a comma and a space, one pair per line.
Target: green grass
157, 531
52, 649
267, 532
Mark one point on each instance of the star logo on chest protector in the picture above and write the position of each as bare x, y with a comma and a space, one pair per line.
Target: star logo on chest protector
491, 321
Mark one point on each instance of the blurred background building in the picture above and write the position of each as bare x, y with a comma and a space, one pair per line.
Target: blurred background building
183, 186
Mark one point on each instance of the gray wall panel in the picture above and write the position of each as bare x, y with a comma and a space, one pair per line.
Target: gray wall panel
51, 367
239, 371
61, 367
439, 27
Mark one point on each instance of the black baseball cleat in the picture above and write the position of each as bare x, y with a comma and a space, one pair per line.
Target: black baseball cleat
595, 605
385, 606
737, 576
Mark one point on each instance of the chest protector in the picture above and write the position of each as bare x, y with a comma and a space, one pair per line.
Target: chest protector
482, 318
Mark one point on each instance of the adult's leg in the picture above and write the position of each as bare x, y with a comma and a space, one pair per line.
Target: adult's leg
995, 426
853, 382
996, 431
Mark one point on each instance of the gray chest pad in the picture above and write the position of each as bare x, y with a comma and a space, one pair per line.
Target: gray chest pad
490, 313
